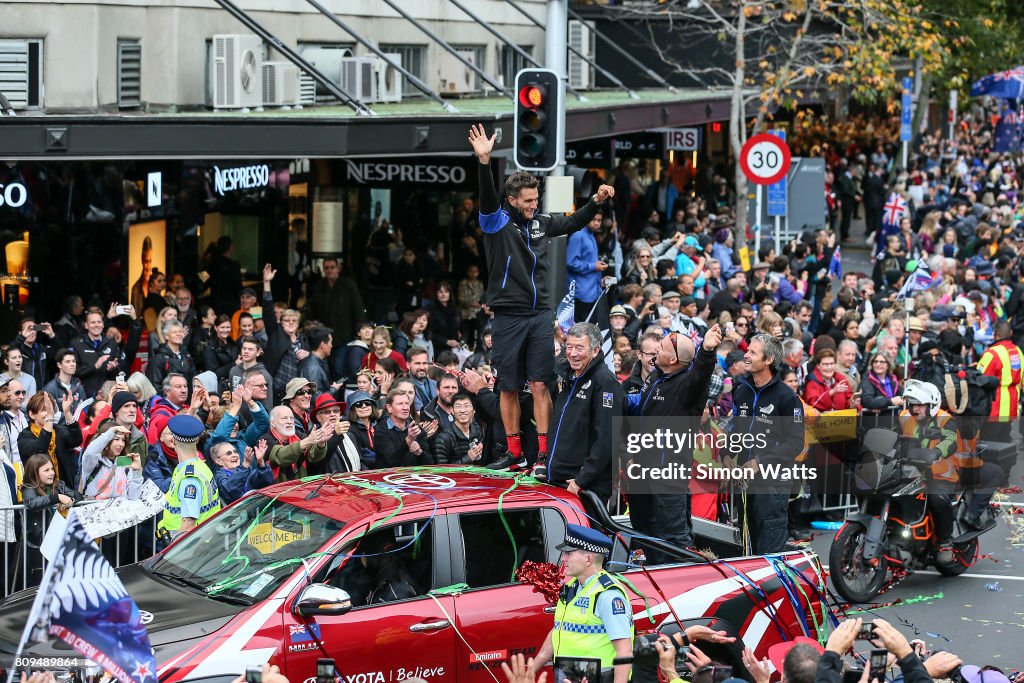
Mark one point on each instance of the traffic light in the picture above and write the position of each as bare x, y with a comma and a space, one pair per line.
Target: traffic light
538, 135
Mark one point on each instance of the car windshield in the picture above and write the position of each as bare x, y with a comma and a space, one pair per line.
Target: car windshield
246, 552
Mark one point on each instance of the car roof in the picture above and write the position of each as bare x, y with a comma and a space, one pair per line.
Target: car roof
348, 497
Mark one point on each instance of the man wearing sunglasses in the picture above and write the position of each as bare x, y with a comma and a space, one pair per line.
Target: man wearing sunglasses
678, 387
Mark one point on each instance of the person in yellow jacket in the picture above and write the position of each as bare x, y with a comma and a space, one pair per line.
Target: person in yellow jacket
192, 496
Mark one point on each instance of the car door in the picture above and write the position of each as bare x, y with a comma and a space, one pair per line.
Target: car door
385, 642
499, 616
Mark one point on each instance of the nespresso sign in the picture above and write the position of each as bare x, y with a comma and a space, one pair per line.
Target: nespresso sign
404, 173
240, 178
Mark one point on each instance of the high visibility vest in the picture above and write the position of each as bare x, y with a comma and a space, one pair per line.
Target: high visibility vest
1003, 360
195, 467
578, 631
955, 456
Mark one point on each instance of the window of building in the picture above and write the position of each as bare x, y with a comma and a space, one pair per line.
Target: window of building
511, 63
21, 72
414, 58
478, 55
493, 552
129, 73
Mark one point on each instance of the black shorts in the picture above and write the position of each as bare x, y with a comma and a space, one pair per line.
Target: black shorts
524, 349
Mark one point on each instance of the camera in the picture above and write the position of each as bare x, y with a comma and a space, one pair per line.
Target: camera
326, 672
123, 310
879, 662
867, 631
253, 674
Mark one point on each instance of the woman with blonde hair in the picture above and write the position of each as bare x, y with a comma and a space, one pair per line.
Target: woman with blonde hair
381, 348
770, 322
642, 271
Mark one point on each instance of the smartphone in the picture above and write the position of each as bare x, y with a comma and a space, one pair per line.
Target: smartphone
236, 381
721, 673
120, 378
867, 631
123, 461
852, 675
879, 660
37, 328
253, 674
123, 310
325, 670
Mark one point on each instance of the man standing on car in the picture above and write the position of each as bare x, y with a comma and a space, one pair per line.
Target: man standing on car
767, 408
593, 618
581, 450
516, 240
677, 387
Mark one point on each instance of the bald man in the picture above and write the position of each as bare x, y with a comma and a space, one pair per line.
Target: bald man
678, 387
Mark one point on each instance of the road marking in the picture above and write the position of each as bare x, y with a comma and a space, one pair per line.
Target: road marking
997, 577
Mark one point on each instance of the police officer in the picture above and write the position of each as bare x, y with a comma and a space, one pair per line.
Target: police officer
580, 454
192, 496
768, 409
593, 619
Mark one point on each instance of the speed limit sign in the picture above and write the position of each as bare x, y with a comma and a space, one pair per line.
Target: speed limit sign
765, 159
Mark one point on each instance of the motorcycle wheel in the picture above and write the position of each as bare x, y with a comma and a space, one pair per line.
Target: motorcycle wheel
853, 578
964, 555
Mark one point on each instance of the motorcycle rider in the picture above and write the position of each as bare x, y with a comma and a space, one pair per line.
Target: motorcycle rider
929, 426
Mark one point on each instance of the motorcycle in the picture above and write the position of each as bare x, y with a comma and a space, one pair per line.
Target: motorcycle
892, 530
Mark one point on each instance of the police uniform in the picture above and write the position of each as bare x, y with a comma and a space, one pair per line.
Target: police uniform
590, 615
193, 491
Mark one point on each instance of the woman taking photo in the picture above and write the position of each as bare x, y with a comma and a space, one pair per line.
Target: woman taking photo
58, 441
103, 476
43, 495
363, 414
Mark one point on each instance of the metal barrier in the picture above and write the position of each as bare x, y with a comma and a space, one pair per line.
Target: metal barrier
23, 565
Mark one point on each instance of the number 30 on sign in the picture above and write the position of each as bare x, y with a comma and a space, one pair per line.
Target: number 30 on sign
765, 159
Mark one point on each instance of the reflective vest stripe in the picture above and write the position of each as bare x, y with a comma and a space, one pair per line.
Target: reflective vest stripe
578, 631
171, 520
1003, 360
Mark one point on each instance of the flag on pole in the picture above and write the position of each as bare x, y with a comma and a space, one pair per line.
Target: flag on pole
606, 349
566, 312
920, 280
893, 211
87, 607
835, 266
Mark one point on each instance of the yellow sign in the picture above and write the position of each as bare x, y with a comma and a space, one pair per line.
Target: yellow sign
745, 258
266, 539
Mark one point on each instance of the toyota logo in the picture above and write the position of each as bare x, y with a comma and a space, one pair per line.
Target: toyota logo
412, 480
146, 617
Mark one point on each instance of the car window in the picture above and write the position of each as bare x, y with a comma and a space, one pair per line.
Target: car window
386, 565
496, 544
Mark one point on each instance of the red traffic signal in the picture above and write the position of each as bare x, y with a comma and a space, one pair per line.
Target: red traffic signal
538, 137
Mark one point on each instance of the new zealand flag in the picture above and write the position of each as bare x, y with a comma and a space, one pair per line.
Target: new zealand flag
90, 610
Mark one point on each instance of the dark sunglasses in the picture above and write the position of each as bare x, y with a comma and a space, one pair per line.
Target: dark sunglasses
20, 393
363, 404
304, 392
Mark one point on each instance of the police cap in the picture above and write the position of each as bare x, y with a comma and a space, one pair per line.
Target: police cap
582, 538
185, 428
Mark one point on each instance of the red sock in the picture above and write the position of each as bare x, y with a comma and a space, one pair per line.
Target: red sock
515, 447
542, 443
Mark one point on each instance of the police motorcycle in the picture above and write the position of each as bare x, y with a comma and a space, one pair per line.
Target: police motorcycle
893, 530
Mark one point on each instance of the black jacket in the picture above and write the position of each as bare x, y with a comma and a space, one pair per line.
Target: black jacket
451, 446
164, 361
773, 411
40, 509
219, 358
87, 353
392, 451
581, 445
68, 438
517, 250
339, 307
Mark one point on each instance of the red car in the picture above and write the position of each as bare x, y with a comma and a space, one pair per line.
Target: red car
293, 573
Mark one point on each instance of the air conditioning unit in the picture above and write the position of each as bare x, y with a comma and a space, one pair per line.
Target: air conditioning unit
581, 37
359, 78
454, 77
327, 60
237, 74
389, 79
307, 90
280, 84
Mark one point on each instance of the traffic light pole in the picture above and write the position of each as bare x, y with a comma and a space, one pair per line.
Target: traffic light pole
555, 58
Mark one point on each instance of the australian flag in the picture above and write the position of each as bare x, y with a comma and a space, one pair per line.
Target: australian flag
89, 609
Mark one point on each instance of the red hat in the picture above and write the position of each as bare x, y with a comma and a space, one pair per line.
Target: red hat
324, 401
778, 651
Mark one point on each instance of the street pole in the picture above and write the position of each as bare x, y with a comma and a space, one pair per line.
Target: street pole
557, 37
757, 224
778, 234
953, 94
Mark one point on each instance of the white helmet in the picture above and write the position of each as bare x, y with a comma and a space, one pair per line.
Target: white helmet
924, 393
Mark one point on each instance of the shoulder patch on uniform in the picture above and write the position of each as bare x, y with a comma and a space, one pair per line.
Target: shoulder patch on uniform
618, 606
605, 580
191, 492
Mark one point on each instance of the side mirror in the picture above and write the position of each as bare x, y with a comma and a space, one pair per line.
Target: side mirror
320, 598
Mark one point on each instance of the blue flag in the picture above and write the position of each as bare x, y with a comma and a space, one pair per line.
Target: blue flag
835, 266
919, 281
90, 610
566, 312
1007, 135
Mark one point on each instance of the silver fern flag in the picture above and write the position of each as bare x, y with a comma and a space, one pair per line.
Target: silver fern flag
90, 610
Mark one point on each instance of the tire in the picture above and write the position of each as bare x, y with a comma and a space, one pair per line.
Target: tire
847, 568
964, 555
